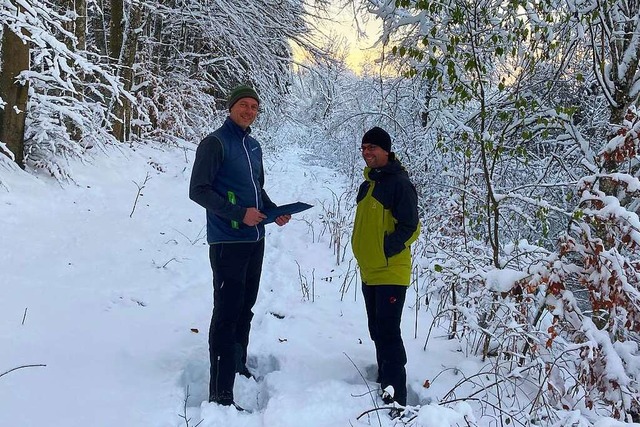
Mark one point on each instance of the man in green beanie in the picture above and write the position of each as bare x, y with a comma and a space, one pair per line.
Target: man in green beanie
228, 181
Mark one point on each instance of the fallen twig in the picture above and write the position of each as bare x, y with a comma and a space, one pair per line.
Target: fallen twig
21, 367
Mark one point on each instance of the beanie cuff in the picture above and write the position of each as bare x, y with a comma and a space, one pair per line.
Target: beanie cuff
241, 92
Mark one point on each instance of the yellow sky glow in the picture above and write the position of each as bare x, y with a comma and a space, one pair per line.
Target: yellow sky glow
343, 31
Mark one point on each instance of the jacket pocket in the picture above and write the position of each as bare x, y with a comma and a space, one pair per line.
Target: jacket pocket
369, 250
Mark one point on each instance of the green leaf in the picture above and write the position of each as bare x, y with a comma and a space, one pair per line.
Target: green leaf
470, 64
458, 15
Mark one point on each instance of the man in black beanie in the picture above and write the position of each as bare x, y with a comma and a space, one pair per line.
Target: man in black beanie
228, 181
385, 225
377, 136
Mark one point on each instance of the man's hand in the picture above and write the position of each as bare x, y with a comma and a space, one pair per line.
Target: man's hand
253, 217
283, 219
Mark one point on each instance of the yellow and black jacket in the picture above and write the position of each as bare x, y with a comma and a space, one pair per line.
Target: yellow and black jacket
386, 224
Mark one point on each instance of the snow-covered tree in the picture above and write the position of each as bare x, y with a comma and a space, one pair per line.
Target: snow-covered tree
193, 52
101, 71
13, 93
521, 124
56, 69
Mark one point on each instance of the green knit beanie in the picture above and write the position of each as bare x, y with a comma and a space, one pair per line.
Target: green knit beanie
240, 92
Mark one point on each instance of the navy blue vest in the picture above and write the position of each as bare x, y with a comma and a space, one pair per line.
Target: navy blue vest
240, 174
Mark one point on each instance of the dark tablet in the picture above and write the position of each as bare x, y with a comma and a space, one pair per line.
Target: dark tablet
290, 209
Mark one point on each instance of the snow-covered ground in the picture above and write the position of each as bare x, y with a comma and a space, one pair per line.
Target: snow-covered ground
105, 304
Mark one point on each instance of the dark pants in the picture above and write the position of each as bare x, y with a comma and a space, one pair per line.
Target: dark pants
236, 277
384, 305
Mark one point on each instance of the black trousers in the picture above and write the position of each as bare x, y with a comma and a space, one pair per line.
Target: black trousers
236, 277
384, 305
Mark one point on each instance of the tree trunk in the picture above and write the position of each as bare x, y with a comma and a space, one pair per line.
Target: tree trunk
624, 56
121, 126
81, 24
116, 30
15, 59
624, 59
77, 27
98, 27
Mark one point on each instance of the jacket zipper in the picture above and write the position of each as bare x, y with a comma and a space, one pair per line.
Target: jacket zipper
217, 377
255, 188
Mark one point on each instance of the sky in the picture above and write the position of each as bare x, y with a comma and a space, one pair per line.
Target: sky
356, 33
361, 37
106, 299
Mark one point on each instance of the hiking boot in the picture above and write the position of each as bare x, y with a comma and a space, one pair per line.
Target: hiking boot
227, 400
386, 397
245, 372
240, 355
223, 398
240, 408
396, 413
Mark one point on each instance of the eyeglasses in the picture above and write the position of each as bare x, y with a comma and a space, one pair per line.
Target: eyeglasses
369, 147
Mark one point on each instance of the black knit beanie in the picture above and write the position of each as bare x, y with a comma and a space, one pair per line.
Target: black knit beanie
378, 136
240, 92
